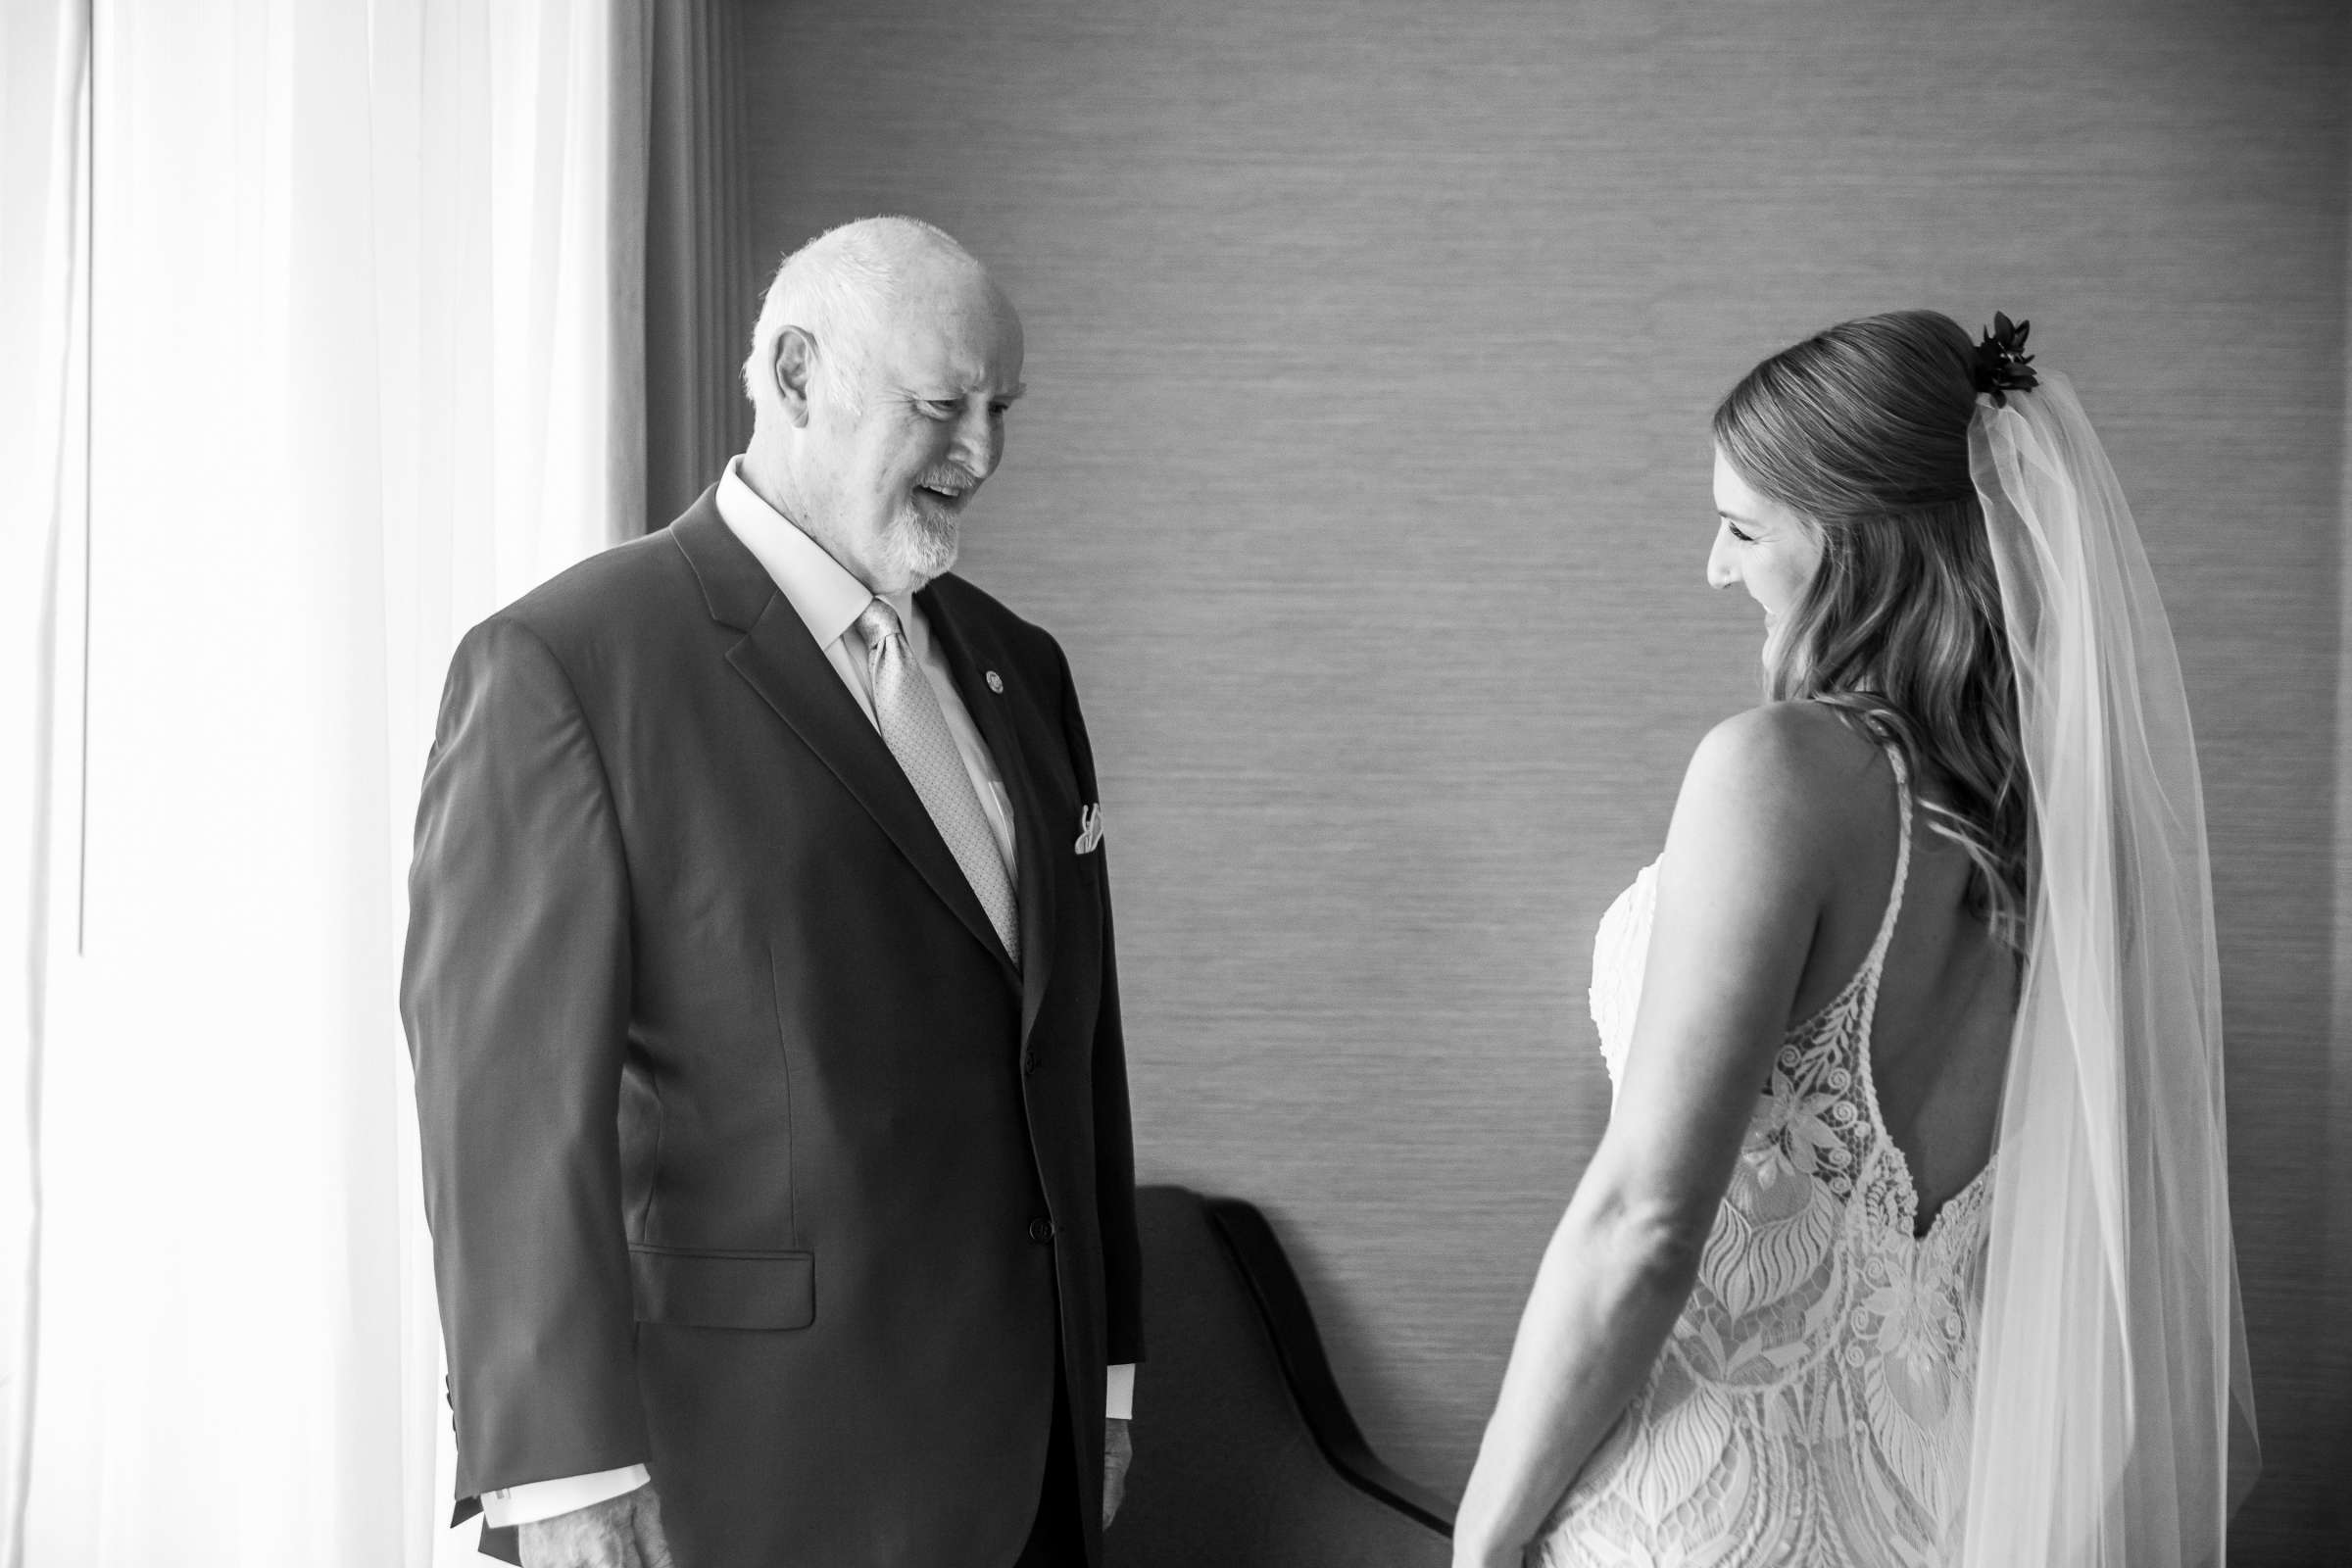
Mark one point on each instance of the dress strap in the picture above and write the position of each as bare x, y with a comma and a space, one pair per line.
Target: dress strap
1902, 867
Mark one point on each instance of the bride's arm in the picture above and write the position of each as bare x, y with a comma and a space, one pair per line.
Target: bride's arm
1742, 883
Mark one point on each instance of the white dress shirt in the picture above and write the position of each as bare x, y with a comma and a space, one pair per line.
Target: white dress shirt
829, 601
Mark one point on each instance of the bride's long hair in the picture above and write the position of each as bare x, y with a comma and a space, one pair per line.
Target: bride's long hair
1862, 430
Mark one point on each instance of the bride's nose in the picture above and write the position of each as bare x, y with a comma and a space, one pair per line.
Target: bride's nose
1721, 572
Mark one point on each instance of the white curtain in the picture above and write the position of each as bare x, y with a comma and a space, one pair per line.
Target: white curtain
364, 330
44, 247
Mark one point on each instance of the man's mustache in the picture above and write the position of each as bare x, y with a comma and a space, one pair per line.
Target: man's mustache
950, 480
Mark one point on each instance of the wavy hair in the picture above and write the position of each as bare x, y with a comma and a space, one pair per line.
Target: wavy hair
1862, 430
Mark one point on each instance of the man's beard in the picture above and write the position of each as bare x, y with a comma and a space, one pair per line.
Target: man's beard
920, 548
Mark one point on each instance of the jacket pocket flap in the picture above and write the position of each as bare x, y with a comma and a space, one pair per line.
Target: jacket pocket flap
724, 1290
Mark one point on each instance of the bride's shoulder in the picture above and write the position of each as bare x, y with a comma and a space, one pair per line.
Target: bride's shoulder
1763, 825
1781, 766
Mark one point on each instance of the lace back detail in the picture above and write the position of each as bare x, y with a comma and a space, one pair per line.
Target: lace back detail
1812, 1403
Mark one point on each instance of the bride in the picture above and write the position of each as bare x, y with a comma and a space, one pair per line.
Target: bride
1957, 1287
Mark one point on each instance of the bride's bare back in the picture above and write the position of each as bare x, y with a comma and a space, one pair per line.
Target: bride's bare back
1948, 994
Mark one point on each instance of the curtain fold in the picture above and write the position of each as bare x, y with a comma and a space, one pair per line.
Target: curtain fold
700, 302
364, 324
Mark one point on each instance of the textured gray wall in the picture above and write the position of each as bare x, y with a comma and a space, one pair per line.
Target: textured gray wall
1364, 477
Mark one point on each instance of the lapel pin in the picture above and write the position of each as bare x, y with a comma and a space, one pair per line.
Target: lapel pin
996, 683
1089, 829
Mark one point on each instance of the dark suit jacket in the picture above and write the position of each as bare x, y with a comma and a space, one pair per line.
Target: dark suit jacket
749, 1155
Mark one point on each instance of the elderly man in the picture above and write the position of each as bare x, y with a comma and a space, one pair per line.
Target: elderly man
761, 990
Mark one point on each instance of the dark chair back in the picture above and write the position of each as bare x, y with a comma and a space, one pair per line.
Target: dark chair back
1245, 1453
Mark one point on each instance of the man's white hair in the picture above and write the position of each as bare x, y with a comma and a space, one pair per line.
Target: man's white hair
837, 288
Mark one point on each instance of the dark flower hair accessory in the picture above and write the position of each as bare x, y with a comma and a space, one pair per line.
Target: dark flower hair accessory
2002, 365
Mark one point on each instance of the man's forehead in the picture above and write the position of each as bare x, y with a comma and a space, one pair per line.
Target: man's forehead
955, 351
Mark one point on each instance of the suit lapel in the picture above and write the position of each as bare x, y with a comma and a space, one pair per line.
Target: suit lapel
970, 657
792, 675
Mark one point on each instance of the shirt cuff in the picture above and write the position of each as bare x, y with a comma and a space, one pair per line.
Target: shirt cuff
535, 1500
1118, 1392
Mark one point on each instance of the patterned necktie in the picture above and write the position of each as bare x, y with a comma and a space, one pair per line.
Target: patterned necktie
918, 735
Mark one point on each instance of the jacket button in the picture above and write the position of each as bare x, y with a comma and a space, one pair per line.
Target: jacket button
1040, 1229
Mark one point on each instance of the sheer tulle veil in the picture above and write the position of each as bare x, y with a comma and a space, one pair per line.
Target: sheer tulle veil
2114, 1415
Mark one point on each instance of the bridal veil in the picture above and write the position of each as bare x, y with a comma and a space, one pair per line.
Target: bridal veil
2114, 1415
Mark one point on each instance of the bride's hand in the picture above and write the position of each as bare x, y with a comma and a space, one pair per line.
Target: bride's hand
1472, 1554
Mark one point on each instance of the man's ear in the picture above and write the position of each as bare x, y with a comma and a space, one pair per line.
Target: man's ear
794, 365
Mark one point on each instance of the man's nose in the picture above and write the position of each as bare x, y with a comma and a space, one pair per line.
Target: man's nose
979, 442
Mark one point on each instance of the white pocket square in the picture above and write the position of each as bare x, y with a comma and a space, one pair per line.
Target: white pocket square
1089, 829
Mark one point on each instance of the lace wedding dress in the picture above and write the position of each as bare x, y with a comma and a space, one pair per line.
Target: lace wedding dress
1812, 1405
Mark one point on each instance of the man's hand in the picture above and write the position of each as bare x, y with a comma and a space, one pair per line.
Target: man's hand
1118, 1452
624, 1532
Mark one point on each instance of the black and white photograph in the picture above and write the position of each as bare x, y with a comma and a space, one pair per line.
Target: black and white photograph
1712, 643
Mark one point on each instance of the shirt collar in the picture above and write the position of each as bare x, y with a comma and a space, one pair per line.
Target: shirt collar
821, 591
